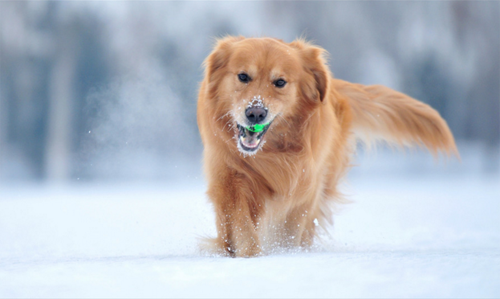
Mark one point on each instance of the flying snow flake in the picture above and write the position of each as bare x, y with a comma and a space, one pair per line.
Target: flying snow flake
316, 223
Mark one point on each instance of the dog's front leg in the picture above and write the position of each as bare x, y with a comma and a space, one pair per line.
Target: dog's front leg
237, 213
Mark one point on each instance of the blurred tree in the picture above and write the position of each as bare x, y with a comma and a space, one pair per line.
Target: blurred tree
3, 125
61, 102
92, 72
476, 27
26, 62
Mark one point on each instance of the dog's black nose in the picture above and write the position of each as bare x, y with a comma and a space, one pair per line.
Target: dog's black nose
255, 114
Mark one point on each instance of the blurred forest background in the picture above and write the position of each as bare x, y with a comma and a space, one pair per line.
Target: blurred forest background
107, 90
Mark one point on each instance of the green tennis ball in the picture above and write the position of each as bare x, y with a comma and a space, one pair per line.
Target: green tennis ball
257, 128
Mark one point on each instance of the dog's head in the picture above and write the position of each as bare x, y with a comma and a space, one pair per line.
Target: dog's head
260, 83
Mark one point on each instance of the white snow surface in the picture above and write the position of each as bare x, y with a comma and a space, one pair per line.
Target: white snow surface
403, 236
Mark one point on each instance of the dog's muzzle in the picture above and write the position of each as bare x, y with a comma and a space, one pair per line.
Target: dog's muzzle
249, 138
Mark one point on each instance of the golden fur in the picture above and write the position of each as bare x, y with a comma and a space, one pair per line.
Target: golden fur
281, 194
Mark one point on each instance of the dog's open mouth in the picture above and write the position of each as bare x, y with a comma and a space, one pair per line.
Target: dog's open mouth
250, 138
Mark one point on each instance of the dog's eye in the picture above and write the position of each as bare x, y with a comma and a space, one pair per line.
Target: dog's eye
244, 78
280, 83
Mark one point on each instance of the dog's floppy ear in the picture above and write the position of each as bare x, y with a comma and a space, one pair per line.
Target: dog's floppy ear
219, 57
314, 62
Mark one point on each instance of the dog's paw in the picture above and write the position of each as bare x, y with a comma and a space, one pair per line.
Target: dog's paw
252, 249
214, 247
217, 247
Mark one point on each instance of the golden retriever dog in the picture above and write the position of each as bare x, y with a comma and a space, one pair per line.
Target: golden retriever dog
279, 132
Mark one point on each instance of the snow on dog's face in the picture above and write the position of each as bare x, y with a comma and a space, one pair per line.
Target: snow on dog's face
258, 85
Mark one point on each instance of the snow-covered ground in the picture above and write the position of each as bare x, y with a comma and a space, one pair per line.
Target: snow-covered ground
411, 235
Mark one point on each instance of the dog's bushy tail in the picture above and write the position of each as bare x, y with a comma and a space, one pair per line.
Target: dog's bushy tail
380, 113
